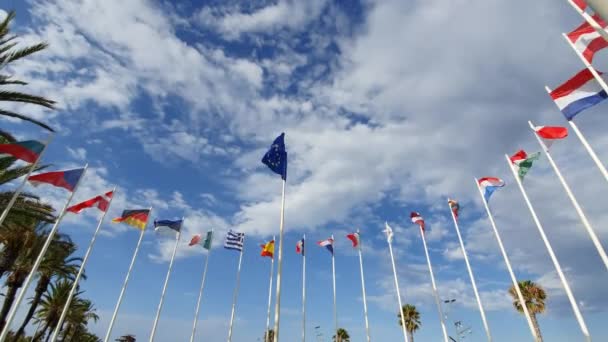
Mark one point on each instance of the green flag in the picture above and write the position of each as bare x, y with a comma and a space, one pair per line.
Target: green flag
207, 243
523, 162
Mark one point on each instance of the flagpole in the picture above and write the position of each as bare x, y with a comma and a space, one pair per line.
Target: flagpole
577, 207
34, 270
363, 290
428, 261
235, 295
162, 295
473, 283
200, 294
590, 20
277, 305
583, 140
390, 249
558, 268
333, 271
126, 282
589, 67
19, 189
66, 307
269, 296
520, 296
303, 289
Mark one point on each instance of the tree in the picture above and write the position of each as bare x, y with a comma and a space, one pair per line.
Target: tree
534, 296
81, 311
126, 338
51, 306
342, 336
9, 54
269, 335
411, 316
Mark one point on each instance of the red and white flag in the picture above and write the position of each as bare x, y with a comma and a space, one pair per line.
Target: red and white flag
587, 40
354, 238
102, 202
551, 133
417, 219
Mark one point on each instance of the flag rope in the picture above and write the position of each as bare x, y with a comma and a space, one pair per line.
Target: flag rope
363, 290
236, 293
200, 294
390, 249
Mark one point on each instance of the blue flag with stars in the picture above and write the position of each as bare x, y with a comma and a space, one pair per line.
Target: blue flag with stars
276, 157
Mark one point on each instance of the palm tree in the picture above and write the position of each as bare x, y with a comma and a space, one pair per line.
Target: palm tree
57, 262
81, 312
51, 306
411, 316
126, 338
534, 296
10, 54
269, 335
342, 336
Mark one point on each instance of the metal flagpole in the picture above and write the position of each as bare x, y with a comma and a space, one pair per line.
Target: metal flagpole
304, 289
428, 261
589, 67
390, 249
126, 282
66, 307
200, 294
583, 140
466, 261
162, 295
34, 270
235, 295
19, 189
590, 20
520, 296
277, 305
269, 297
577, 207
333, 271
363, 289
558, 268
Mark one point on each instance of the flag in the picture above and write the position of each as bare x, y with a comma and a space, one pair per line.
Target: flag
63, 179
454, 206
102, 202
389, 232
137, 218
587, 40
276, 157
417, 219
580, 4
168, 224
489, 185
354, 238
268, 249
234, 240
578, 93
551, 133
329, 244
523, 162
27, 151
198, 240
300, 247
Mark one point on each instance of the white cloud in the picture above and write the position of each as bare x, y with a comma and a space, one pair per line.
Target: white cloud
78, 153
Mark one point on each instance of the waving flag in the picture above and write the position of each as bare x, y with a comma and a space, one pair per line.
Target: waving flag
268, 249
300, 247
587, 40
234, 240
523, 162
354, 238
168, 224
578, 93
137, 218
328, 243
489, 185
198, 240
27, 151
417, 219
551, 132
276, 157
102, 202
389, 232
454, 206
63, 179
580, 4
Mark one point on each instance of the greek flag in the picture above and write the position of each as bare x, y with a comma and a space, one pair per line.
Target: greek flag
234, 241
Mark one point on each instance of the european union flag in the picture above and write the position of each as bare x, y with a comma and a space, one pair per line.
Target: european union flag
276, 157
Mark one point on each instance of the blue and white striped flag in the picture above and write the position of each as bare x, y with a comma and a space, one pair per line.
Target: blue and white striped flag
234, 240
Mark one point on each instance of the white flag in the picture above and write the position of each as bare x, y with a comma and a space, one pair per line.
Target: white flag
389, 233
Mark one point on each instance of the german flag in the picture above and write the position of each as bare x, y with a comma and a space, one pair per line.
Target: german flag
137, 218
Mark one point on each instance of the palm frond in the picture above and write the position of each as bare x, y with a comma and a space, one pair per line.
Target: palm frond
25, 118
26, 51
15, 96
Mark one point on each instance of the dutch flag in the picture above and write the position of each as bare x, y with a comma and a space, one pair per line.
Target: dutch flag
578, 93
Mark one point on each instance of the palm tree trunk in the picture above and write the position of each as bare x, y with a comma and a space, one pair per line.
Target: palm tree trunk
410, 336
41, 288
48, 337
11, 293
536, 327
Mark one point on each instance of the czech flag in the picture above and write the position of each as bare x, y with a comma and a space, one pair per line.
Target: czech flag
354, 238
489, 185
329, 244
27, 151
578, 93
268, 249
63, 179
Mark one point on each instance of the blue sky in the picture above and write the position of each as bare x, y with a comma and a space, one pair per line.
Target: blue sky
388, 107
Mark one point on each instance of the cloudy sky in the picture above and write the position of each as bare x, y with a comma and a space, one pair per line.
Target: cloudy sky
388, 107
